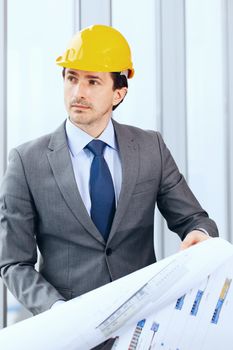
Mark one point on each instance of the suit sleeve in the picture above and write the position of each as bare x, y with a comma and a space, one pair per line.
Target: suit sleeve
18, 249
176, 201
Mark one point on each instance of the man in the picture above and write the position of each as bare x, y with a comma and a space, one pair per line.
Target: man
85, 195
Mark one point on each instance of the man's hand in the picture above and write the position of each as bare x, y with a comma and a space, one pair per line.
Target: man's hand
192, 238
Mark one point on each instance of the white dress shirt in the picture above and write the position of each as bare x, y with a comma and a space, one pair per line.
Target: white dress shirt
82, 159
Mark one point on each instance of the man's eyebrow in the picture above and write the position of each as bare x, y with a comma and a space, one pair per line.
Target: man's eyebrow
90, 76
72, 72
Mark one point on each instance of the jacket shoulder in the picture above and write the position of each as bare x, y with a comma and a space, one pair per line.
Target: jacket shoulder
41, 145
137, 133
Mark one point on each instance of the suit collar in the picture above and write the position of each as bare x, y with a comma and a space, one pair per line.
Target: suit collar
129, 154
61, 165
58, 138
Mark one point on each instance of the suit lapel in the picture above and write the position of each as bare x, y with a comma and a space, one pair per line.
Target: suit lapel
129, 154
60, 162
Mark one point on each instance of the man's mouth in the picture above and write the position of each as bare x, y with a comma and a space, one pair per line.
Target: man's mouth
80, 106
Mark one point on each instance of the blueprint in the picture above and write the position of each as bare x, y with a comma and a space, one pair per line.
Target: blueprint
183, 302
199, 319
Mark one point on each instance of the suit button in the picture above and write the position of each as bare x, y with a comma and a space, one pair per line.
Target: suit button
108, 251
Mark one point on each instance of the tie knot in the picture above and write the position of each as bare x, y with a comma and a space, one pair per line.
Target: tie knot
96, 147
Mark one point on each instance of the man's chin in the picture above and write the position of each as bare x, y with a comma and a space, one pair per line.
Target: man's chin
81, 120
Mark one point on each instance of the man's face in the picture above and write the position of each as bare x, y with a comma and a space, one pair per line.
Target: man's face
89, 98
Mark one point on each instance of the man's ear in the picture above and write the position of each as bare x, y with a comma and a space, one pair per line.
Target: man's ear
119, 95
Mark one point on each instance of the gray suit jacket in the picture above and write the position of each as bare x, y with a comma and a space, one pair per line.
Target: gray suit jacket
40, 206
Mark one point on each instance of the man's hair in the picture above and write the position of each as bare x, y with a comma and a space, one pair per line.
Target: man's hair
119, 81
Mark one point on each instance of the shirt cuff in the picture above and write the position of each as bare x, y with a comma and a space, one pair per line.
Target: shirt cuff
57, 303
202, 230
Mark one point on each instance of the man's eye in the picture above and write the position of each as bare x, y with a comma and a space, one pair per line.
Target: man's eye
93, 82
72, 79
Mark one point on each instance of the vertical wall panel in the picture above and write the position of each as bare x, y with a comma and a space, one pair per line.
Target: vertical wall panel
3, 126
159, 228
174, 79
76, 15
206, 107
228, 20
173, 90
95, 12
3, 85
35, 88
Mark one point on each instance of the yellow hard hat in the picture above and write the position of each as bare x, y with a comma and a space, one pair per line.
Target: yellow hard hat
98, 48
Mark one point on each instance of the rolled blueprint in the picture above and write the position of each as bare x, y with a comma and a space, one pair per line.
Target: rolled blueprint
182, 302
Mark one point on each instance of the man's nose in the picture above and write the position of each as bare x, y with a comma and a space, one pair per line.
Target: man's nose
80, 90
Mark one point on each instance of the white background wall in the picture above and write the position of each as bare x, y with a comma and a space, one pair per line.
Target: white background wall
37, 33
181, 51
206, 107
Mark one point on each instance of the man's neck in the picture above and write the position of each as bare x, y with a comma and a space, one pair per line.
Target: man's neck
95, 129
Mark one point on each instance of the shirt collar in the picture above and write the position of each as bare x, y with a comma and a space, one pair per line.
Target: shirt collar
78, 139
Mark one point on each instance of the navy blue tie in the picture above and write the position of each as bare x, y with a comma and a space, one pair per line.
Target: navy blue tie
101, 189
